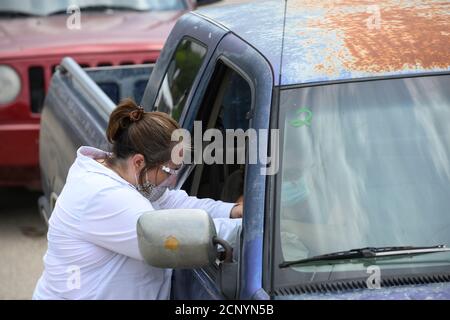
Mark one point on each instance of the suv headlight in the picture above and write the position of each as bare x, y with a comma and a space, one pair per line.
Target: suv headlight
10, 84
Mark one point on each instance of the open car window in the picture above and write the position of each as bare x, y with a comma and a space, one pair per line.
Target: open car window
225, 106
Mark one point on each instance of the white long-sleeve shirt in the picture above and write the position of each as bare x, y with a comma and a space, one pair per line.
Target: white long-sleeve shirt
92, 241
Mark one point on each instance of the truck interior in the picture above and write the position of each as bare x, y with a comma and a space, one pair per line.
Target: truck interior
226, 105
119, 82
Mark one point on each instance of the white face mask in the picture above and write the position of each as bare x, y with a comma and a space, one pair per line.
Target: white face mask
150, 191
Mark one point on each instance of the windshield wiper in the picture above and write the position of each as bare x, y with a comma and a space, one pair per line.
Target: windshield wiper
101, 8
369, 252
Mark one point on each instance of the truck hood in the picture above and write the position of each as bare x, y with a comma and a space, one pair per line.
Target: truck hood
21, 37
434, 291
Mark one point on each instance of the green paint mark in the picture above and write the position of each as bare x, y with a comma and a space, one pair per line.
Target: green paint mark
305, 120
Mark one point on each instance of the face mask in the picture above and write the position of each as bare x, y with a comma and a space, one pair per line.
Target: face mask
150, 191
294, 192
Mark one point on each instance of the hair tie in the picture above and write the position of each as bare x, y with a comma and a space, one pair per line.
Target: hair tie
136, 115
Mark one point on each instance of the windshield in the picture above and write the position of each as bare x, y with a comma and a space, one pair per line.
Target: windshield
365, 164
43, 8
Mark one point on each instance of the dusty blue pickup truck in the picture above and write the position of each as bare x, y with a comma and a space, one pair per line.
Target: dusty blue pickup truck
359, 94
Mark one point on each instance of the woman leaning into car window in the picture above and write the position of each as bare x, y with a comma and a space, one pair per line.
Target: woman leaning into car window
92, 241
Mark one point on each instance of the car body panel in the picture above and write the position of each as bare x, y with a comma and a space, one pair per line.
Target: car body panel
434, 291
342, 40
99, 33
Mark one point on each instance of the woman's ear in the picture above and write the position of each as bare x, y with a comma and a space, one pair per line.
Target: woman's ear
138, 161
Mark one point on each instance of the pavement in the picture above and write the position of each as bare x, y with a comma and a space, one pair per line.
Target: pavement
22, 243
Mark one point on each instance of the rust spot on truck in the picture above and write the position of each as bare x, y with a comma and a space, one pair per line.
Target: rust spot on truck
376, 37
171, 243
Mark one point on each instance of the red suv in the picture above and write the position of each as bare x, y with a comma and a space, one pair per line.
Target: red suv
36, 35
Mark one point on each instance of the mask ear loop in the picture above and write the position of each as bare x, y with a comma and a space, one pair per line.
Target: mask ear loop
137, 183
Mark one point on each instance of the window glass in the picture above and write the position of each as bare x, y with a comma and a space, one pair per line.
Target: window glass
370, 169
179, 78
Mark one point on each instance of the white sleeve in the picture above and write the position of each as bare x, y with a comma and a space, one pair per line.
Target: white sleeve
110, 222
228, 229
179, 199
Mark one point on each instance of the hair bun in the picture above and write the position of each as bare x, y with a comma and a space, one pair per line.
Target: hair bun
136, 114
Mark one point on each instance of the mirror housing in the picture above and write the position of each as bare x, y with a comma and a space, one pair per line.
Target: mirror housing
177, 238
205, 2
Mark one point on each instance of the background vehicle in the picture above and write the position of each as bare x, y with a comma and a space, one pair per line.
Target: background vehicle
34, 39
370, 171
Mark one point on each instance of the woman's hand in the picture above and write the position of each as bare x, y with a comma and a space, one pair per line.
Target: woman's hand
236, 212
238, 209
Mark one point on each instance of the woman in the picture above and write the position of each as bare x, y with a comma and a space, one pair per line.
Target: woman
92, 242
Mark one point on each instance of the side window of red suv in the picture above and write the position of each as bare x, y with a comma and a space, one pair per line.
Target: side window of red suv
180, 75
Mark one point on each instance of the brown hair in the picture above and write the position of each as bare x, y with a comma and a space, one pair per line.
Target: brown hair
132, 131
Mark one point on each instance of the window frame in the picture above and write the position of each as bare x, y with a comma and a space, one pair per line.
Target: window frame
257, 71
212, 270
281, 278
230, 67
192, 25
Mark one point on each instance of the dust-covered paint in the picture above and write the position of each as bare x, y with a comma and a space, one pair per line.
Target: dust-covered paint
386, 37
337, 40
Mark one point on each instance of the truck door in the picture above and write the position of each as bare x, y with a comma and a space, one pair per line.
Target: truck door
233, 93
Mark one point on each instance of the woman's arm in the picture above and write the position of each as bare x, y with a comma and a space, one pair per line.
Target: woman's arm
228, 229
110, 220
179, 199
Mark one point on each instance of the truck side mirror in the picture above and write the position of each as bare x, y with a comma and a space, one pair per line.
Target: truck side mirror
205, 2
177, 238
